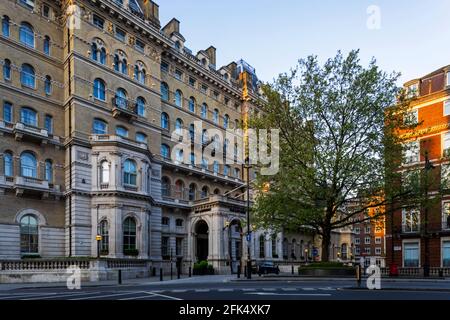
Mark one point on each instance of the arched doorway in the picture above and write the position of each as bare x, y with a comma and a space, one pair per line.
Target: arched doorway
201, 231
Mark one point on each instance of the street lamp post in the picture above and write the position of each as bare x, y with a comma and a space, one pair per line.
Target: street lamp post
249, 231
426, 267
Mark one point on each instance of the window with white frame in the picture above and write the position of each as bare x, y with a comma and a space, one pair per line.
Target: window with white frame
446, 216
447, 108
378, 240
377, 251
367, 240
446, 254
367, 250
412, 90
447, 76
411, 254
410, 220
357, 230
411, 118
367, 230
411, 152
446, 144
445, 176
357, 241
357, 250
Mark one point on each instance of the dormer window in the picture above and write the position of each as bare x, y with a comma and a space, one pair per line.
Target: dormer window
447, 76
412, 90
177, 45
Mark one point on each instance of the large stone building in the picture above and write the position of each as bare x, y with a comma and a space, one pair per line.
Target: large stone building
91, 93
420, 236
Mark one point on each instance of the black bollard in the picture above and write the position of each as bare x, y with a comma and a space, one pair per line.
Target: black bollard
171, 271
153, 272
239, 271
160, 274
292, 269
120, 277
178, 272
190, 272
245, 271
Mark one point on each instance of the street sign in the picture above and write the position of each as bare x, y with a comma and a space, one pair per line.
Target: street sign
249, 237
98, 238
315, 252
397, 248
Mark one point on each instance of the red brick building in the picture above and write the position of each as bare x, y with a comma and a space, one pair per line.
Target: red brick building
416, 243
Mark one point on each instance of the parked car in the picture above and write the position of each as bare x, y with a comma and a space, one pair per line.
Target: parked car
268, 267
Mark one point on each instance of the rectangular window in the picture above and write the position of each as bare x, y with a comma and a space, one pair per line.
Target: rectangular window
367, 251
204, 88
367, 240
165, 246
164, 66
357, 241
357, 230
120, 34
412, 91
410, 220
98, 22
192, 82
411, 152
446, 144
367, 229
165, 221
447, 108
357, 250
412, 117
446, 254
139, 45
216, 95
179, 75
411, 255
49, 124
377, 251
46, 11
378, 240
447, 75
446, 216
179, 247
7, 112
28, 3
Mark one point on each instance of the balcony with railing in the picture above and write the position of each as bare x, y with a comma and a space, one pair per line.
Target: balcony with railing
124, 108
27, 132
29, 185
107, 138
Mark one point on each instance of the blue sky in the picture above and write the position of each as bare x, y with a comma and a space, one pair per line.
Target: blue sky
273, 35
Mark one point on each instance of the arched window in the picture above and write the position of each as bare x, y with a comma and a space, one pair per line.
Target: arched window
204, 112
28, 165
236, 124
140, 106
179, 188
121, 98
29, 234
102, 56
28, 116
262, 246
104, 233
226, 121
26, 34
216, 166
192, 191
122, 131
48, 85
94, 52
165, 187
5, 26
7, 112
165, 151
47, 45
130, 173
164, 121
104, 175
179, 155
192, 104
179, 98
48, 170
164, 91
205, 192
192, 132
7, 70
8, 164
141, 137
216, 116
98, 51
179, 126
236, 150
99, 127
129, 236
216, 191
139, 72
120, 62
205, 138
226, 143
99, 89
27, 76
226, 170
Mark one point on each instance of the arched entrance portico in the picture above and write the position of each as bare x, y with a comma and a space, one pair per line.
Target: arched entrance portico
201, 240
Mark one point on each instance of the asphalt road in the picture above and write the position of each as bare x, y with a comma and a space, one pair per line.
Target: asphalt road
226, 291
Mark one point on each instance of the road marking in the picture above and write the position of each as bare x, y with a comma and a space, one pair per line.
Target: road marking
327, 289
27, 295
291, 294
57, 296
179, 291
149, 295
248, 289
104, 296
269, 289
225, 290
308, 289
164, 296
289, 289
202, 290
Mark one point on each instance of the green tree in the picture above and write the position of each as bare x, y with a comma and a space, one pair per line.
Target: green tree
340, 146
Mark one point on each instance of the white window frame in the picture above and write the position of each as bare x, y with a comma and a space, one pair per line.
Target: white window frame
412, 157
445, 149
447, 75
403, 250
446, 239
404, 211
446, 108
369, 240
444, 217
377, 240
357, 241
378, 251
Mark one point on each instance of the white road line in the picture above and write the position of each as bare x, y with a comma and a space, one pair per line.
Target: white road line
57, 295
202, 290
149, 295
178, 291
292, 294
27, 295
164, 296
104, 296
269, 289
225, 290
248, 289
289, 289
308, 289
327, 289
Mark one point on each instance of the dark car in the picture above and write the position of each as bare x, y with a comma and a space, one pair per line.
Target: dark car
268, 267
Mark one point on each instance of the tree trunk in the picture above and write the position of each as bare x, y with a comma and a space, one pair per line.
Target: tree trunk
326, 240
